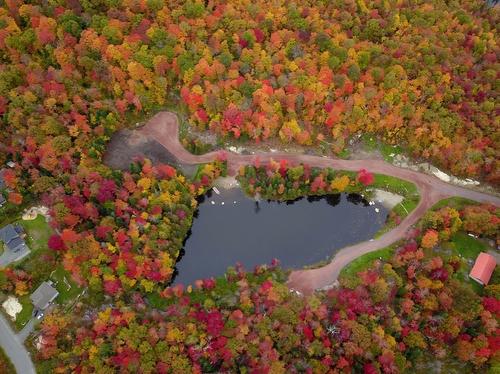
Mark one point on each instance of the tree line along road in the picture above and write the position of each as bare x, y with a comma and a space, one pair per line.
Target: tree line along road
164, 128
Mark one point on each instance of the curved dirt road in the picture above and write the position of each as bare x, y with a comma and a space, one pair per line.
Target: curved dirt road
164, 128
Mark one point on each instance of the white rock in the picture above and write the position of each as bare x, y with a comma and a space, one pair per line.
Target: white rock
388, 199
12, 307
235, 149
212, 202
443, 176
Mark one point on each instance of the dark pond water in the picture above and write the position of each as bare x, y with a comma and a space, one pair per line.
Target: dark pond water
231, 228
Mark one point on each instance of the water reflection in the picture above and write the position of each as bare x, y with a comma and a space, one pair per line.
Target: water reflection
357, 199
231, 228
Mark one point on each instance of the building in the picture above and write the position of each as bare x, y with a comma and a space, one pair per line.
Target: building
44, 295
2, 200
483, 268
11, 236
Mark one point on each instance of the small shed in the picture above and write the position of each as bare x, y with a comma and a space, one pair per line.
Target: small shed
483, 268
44, 295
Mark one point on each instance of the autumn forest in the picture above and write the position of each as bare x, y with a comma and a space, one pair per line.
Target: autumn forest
420, 77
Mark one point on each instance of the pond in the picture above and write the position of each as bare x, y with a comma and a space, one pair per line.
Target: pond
230, 227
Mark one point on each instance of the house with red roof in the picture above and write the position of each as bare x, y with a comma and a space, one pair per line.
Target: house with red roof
483, 268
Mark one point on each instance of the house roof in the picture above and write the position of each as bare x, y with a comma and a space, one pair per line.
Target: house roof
10, 236
2, 199
8, 233
43, 295
483, 268
15, 244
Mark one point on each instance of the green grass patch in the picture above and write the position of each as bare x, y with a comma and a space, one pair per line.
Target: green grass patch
37, 263
10, 213
38, 232
395, 185
461, 244
67, 288
344, 154
372, 143
401, 187
25, 314
369, 141
390, 151
457, 203
349, 274
467, 246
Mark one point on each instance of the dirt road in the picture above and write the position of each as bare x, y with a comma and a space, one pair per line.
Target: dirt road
164, 128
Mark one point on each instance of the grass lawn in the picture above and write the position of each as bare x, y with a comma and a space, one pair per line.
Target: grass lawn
395, 185
68, 289
10, 213
38, 231
467, 246
26, 313
371, 143
401, 187
457, 203
349, 274
461, 243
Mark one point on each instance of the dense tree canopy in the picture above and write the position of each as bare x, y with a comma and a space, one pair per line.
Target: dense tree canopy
423, 73
420, 72
279, 180
251, 322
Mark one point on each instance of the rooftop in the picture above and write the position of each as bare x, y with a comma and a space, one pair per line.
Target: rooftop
483, 268
44, 295
16, 247
8, 233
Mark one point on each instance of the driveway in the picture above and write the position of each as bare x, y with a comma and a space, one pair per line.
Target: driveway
15, 349
9, 257
27, 330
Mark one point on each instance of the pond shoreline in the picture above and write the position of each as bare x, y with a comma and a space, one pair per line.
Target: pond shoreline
303, 232
164, 128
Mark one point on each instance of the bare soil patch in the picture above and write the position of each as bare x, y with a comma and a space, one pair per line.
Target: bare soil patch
126, 146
